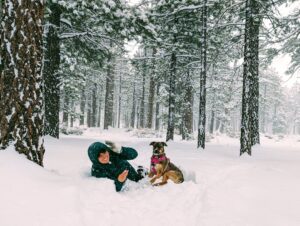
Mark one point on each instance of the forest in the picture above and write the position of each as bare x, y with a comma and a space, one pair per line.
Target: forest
199, 68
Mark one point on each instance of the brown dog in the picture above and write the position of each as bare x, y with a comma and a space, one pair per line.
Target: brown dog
162, 167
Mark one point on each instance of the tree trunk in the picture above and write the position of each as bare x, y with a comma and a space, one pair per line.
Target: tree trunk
133, 111
245, 129
89, 116
151, 92
263, 121
66, 110
120, 99
72, 115
212, 122
51, 72
109, 96
142, 108
82, 107
21, 95
202, 102
171, 116
187, 126
99, 106
249, 124
94, 106
157, 108
254, 83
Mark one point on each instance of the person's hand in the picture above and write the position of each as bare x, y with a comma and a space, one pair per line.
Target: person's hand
114, 146
122, 177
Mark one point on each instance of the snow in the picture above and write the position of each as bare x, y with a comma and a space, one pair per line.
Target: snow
221, 188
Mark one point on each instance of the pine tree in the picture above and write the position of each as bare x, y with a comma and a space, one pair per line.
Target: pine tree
21, 97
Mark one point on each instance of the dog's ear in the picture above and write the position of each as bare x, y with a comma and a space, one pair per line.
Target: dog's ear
164, 144
152, 143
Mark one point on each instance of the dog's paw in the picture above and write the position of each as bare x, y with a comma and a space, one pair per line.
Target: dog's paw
150, 175
152, 180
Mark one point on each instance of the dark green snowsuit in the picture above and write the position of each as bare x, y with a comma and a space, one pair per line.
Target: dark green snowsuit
118, 163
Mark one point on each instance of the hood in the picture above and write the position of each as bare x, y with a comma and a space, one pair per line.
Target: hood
95, 149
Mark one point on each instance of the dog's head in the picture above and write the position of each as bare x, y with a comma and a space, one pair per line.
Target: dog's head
158, 147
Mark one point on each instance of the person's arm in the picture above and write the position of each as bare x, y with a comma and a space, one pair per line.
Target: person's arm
124, 153
118, 180
128, 153
118, 185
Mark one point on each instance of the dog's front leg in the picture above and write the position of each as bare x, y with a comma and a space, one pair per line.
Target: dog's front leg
154, 178
164, 181
159, 172
151, 174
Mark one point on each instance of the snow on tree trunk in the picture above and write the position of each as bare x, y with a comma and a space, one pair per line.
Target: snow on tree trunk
51, 72
202, 102
21, 97
171, 115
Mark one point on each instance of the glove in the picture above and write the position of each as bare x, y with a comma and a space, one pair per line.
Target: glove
113, 146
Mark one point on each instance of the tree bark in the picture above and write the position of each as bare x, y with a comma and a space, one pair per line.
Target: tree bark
133, 111
254, 84
94, 106
51, 72
82, 106
212, 122
187, 128
142, 108
109, 95
151, 92
21, 94
249, 124
202, 102
99, 106
171, 116
66, 110
120, 101
157, 108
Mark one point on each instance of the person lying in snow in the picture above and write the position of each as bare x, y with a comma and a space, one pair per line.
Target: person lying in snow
110, 161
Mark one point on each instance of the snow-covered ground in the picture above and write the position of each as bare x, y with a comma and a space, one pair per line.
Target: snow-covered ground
221, 188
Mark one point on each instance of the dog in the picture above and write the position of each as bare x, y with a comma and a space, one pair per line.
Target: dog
162, 167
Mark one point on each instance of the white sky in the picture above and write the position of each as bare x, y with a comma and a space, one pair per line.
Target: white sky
133, 2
